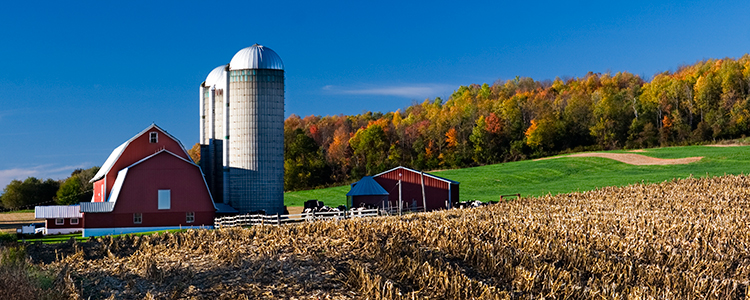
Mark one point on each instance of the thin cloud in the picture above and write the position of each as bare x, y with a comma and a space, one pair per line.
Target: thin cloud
409, 91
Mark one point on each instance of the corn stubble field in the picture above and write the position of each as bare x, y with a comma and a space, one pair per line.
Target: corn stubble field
684, 239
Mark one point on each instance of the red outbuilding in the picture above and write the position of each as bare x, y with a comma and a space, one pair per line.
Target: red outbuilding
418, 189
148, 183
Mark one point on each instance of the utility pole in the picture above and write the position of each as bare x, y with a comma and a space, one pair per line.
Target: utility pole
399, 194
424, 198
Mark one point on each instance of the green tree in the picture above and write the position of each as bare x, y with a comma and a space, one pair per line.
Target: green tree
21, 194
304, 163
70, 191
370, 148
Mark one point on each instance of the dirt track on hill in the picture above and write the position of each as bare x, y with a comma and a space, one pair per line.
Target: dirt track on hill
638, 159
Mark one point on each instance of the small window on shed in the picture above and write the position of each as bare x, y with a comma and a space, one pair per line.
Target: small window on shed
153, 137
59, 221
74, 221
164, 199
137, 218
190, 217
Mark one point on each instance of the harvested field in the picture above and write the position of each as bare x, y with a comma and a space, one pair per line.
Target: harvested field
684, 239
9, 222
638, 159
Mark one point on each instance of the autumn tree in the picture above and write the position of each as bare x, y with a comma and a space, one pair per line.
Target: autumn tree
195, 153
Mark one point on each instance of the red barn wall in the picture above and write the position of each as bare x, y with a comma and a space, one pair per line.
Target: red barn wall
436, 191
98, 192
139, 149
376, 200
139, 194
50, 224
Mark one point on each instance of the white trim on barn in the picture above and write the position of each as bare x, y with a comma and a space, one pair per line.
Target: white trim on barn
115, 155
418, 172
48, 231
88, 232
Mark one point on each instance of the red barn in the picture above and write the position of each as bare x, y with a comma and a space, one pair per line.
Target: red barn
148, 183
418, 189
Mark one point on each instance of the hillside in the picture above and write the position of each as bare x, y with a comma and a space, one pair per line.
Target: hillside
524, 118
674, 240
566, 174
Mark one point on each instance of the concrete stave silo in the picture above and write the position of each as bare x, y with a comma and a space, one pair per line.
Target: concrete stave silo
252, 147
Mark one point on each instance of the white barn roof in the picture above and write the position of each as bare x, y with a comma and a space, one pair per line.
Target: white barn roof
57, 211
256, 57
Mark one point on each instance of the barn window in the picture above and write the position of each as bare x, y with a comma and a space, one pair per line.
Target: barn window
153, 137
164, 199
190, 217
59, 221
74, 221
137, 218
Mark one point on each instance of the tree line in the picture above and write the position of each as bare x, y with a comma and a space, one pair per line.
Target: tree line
523, 118
33, 191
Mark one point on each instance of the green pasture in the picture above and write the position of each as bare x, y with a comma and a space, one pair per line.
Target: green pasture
62, 238
567, 174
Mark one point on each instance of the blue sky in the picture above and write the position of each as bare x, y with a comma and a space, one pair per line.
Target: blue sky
79, 78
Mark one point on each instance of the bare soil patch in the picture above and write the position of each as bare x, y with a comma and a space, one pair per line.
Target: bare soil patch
637, 150
725, 145
294, 210
640, 160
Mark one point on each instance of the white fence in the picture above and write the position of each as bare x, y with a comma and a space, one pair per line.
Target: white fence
248, 220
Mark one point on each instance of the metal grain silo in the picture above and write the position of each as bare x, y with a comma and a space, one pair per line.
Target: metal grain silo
213, 96
255, 152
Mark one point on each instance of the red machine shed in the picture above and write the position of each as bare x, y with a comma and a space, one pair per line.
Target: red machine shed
439, 193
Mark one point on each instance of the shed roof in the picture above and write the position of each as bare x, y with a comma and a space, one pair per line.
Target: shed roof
366, 187
57, 211
97, 207
418, 172
223, 208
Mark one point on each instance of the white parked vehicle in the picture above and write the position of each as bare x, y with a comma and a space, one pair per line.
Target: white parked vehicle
32, 228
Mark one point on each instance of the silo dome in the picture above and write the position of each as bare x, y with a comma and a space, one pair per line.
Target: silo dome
218, 77
256, 57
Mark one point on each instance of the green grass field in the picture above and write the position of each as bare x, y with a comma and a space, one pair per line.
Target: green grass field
567, 174
62, 238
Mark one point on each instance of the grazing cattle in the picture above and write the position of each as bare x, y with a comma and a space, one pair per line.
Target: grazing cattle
313, 207
473, 203
313, 204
